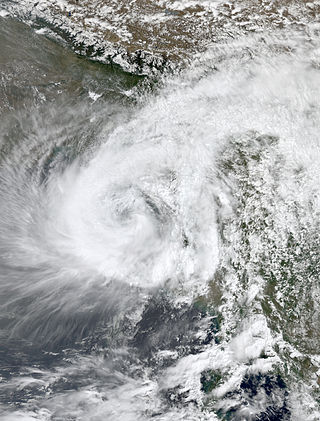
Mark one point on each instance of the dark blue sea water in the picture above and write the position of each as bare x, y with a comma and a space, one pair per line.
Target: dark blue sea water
159, 239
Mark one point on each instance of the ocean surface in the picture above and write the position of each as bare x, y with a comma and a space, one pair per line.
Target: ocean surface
159, 236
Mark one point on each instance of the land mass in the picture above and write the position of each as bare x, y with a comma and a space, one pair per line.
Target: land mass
147, 35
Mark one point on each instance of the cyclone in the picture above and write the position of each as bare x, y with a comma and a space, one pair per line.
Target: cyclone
159, 240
